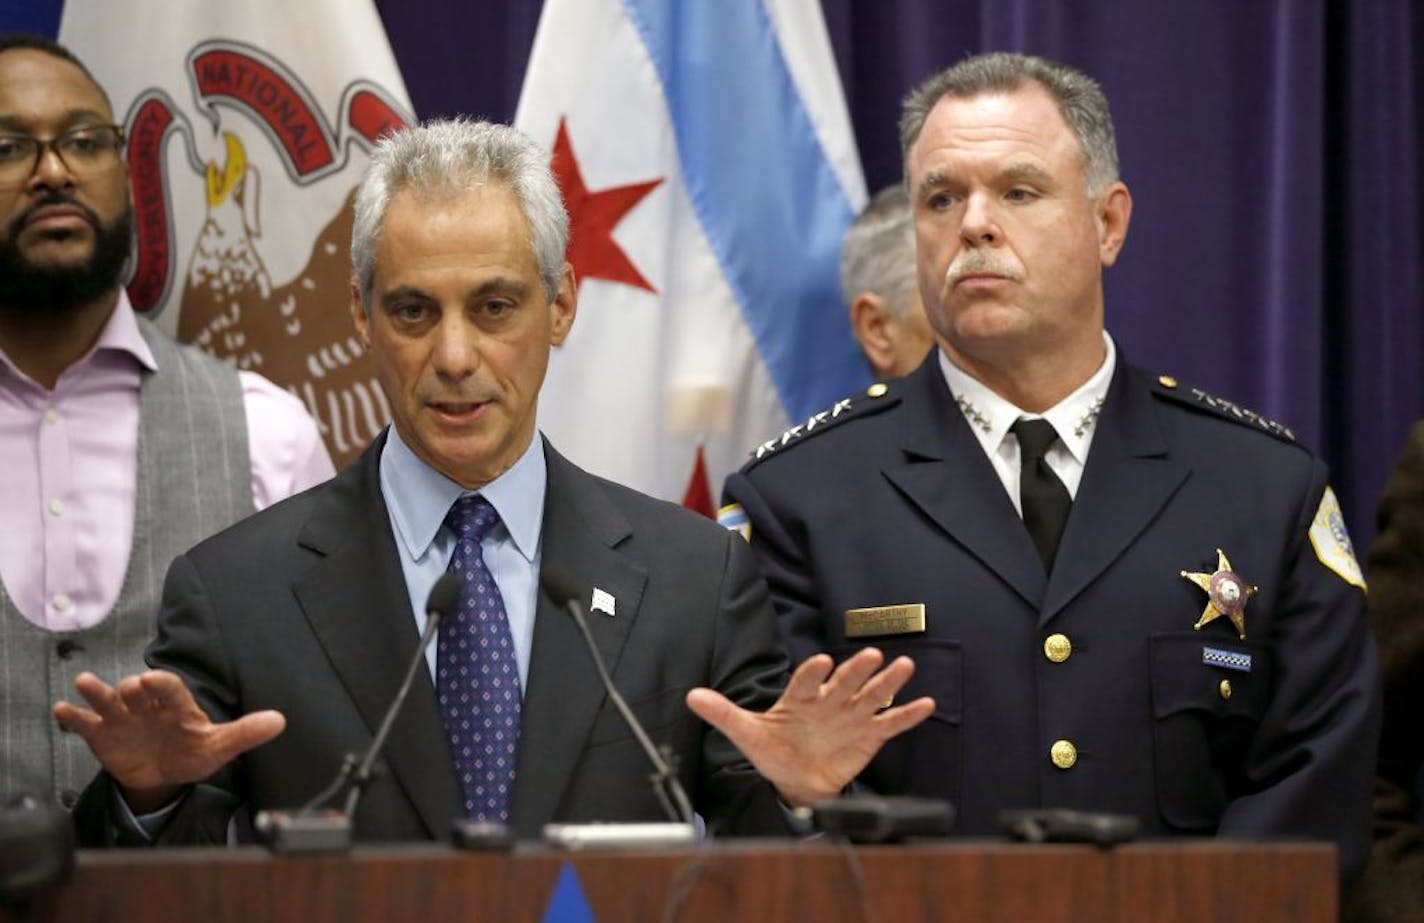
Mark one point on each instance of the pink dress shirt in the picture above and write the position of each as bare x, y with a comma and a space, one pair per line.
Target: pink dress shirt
69, 459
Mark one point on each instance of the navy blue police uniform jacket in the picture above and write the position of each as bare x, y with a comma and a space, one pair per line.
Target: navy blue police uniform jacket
1087, 687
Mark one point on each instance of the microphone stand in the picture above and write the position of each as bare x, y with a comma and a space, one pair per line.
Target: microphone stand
666, 786
363, 775
309, 829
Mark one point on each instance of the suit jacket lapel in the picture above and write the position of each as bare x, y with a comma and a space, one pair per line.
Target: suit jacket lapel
1128, 479
357, 604
947, 475
580, 532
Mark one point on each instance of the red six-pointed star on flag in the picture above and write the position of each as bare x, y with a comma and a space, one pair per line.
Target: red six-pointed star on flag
593, 216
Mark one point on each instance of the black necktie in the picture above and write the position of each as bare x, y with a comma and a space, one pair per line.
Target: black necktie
1045, 500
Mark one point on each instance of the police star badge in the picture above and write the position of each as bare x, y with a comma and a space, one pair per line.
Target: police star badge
1226, 594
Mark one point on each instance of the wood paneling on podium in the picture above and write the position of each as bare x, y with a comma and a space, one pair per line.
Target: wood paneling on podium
811, 880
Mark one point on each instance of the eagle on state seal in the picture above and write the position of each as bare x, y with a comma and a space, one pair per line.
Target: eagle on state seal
298, 333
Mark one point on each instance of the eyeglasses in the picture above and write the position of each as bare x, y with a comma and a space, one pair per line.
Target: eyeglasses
85, 151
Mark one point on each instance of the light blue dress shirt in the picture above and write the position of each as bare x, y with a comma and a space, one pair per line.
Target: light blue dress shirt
418, 497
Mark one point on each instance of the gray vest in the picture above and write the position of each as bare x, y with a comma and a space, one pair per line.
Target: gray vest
194, 478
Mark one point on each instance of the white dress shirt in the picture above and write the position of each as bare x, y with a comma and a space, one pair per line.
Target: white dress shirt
1075, 418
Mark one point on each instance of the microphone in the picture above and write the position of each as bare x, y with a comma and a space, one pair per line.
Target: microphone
311, 830
36, 853
564, 590
1063, 825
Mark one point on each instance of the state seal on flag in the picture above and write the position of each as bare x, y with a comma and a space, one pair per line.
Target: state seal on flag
296, 331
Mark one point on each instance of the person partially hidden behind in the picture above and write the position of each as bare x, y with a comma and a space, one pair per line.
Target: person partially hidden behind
878, 282
304, 616
1392, 888
120, 448
1124, 595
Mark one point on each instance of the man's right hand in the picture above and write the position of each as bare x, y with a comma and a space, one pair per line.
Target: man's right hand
153, 739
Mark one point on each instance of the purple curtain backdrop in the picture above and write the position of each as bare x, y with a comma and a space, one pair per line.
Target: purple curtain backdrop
1273, 152
1273, 149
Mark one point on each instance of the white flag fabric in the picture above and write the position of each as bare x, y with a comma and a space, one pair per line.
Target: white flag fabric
248, 123
706, 158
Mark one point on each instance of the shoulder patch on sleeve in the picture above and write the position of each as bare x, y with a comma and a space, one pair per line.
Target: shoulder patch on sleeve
1168, 387
874, 399
1331, 541
733, 516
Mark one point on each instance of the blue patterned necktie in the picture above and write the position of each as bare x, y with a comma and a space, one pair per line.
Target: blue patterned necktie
476, 674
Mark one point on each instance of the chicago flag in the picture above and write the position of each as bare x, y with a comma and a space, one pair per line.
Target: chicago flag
706, 158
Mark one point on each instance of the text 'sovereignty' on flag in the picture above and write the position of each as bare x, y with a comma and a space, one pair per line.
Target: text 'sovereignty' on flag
706, 158
247, 124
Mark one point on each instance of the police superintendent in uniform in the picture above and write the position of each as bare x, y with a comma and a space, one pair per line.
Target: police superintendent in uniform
1123, 594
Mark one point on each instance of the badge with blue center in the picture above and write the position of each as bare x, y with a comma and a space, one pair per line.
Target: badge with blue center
1226, 594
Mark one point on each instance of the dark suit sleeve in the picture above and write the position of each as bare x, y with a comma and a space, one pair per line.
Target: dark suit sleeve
1396, 577
1394, 882
780, 552
748, 667
1306, 772
190, 645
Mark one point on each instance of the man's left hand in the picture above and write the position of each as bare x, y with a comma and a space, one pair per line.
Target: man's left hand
825, 728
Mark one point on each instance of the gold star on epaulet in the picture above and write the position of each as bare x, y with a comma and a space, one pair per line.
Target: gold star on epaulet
849, 408
1170, 388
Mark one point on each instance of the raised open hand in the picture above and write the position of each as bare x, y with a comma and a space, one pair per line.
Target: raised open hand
825, 728
152, 737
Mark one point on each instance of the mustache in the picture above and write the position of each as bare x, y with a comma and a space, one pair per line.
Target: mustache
51, 199
979, 262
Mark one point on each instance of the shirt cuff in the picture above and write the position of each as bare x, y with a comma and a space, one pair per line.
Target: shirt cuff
142, 827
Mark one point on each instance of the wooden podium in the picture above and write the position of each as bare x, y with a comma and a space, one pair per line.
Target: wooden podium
809, 880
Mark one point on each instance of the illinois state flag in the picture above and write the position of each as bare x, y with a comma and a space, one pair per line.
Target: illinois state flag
247, 124
707, 162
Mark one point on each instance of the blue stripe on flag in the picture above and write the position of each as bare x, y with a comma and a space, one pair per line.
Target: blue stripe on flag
769, 202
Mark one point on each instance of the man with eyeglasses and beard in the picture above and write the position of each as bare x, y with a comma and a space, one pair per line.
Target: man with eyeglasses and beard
120, 448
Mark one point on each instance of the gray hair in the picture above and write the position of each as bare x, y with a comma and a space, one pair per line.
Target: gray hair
1079, 97
878, 252
448, 157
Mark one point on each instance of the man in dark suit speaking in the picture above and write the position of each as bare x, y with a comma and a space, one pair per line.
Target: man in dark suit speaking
282, 640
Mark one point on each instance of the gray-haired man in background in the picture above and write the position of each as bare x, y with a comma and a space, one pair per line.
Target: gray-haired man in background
878, 282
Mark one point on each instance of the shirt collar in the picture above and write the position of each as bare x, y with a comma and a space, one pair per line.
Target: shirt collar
990, 416
419, 496
120, 334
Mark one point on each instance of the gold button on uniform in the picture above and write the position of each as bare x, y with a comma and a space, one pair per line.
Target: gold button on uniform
1167, 381
1225, 688
1057, 648
1063, 754
877, 390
